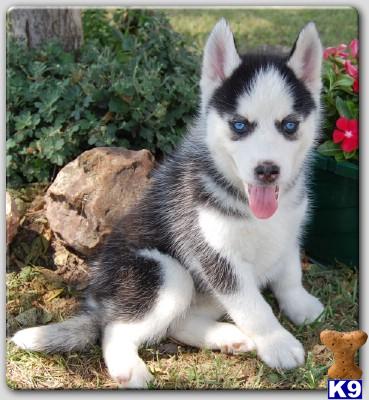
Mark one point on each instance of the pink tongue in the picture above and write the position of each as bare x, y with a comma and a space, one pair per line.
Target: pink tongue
262, 201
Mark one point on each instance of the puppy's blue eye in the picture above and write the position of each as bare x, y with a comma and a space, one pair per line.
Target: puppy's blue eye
239, 127
290, 127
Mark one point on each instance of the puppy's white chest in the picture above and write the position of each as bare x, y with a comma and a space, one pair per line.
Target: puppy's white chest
256, 242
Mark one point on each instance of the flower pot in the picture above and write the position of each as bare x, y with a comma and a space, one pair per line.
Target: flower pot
332, 234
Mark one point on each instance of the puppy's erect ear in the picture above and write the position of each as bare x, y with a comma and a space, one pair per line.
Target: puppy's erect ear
219, 61
306, 58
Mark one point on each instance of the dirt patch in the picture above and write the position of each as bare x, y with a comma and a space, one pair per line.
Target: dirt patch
36, 245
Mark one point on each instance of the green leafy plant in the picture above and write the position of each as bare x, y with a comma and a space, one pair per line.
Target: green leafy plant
133, 84
341, 102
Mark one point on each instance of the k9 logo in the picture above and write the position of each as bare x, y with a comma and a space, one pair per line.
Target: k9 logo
344, 389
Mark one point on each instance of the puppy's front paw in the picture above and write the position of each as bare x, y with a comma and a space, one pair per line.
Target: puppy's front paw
280, 349
302, 309
130, 372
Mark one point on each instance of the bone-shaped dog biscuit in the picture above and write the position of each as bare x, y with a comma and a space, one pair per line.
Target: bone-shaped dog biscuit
344, 346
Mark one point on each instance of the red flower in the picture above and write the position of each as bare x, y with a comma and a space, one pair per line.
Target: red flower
346, 134
335, 51
355, 86
354, 48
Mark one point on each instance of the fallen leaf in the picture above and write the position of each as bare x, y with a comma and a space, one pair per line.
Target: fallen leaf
52, 294
168, 348
51, 276
45, 317
27, 318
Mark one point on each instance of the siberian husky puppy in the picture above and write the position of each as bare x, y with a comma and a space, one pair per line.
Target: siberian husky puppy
222, 218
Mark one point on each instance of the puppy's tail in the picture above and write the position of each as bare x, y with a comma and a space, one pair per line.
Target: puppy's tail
75, 333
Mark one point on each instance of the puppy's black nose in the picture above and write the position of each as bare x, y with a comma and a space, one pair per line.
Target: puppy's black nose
267, 172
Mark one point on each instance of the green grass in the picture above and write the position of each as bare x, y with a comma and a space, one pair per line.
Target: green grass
183, 367
255, 27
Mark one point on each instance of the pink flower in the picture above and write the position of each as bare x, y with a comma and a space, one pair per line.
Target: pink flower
354, 48
335, 51
346, 134
351, 69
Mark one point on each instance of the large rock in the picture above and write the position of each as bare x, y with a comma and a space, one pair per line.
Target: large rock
12, 218
91, 192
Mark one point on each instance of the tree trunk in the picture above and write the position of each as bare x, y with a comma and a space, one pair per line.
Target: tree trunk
39, 25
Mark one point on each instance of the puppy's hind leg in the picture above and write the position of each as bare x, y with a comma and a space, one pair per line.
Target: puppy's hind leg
121, 339
201, 329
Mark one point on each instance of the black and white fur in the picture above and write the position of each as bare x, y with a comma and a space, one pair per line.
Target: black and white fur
192, 251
